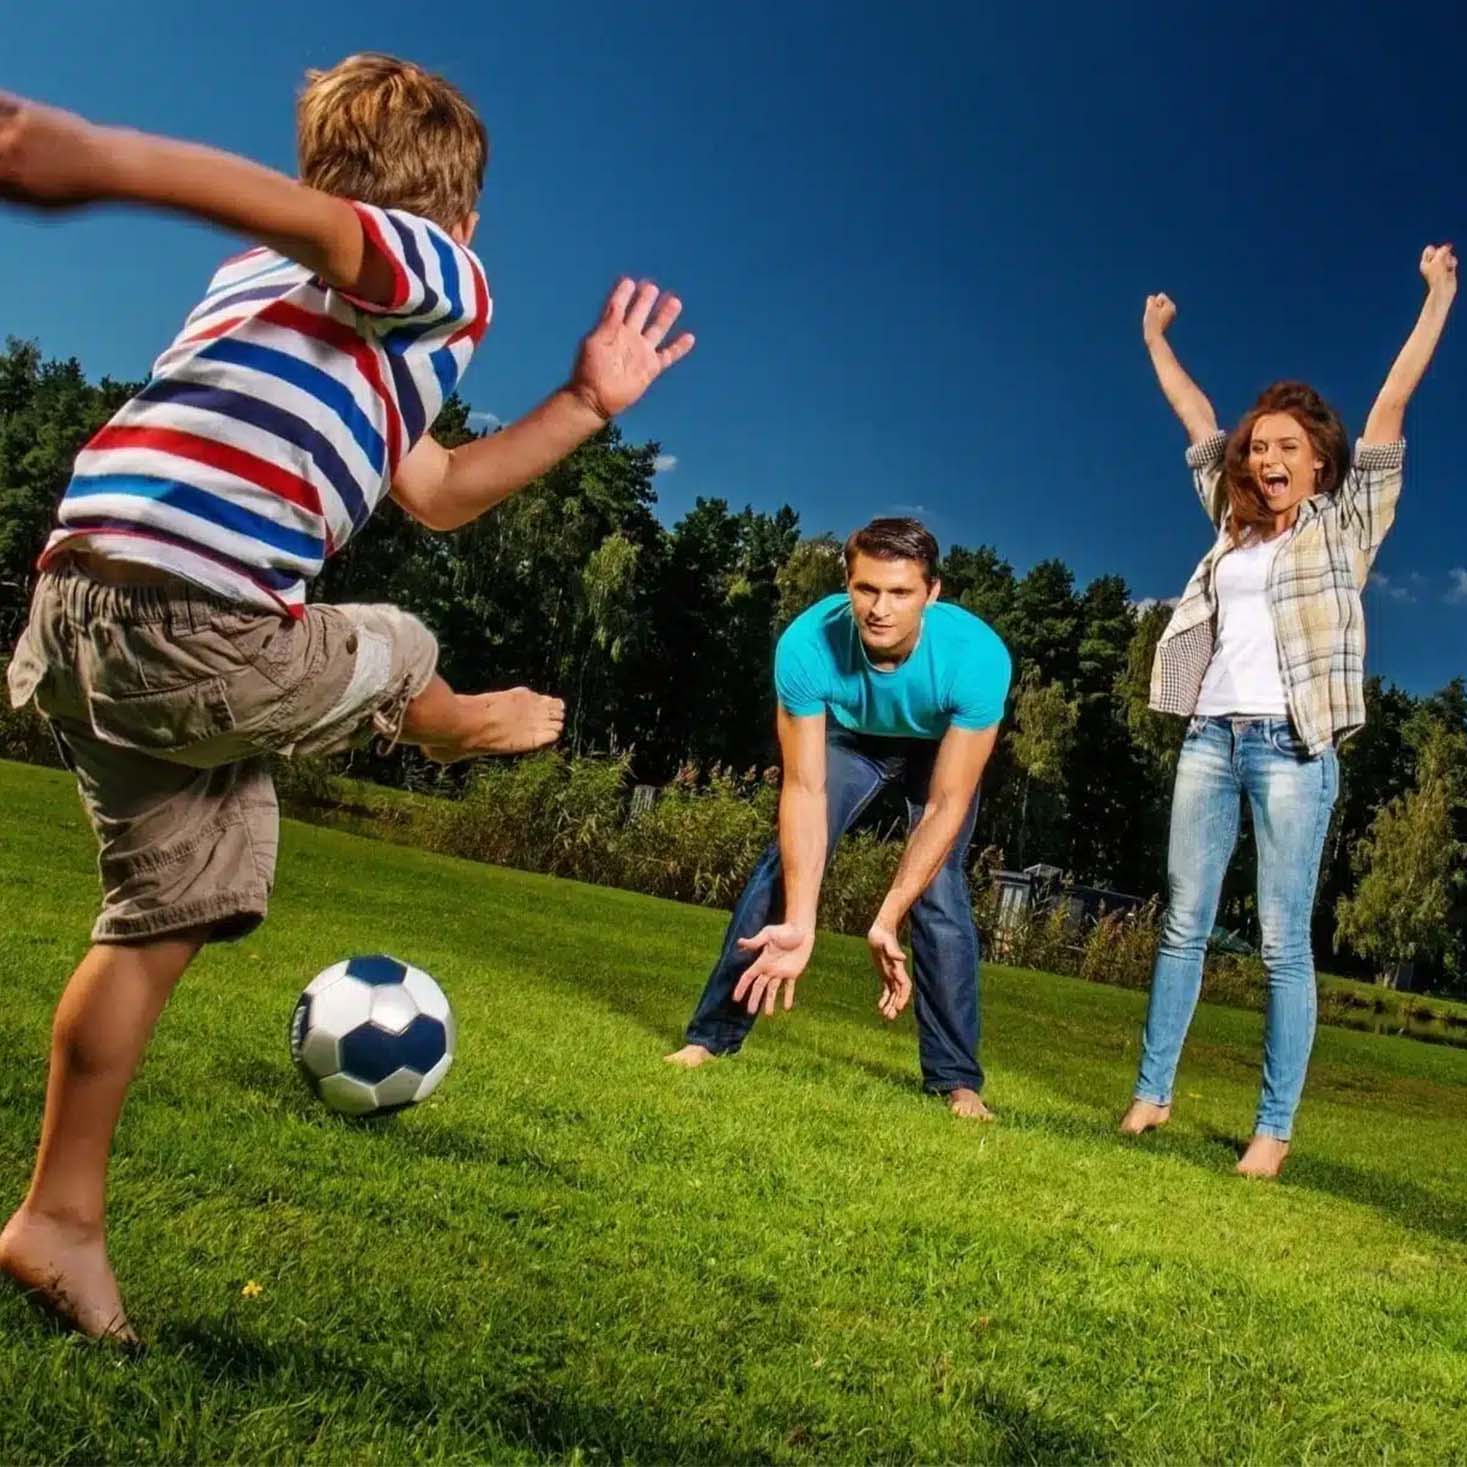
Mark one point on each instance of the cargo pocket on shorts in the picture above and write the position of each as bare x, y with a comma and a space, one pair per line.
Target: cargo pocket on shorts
25, 673
163, 723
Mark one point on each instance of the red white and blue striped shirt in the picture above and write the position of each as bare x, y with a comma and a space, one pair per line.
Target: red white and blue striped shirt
273, 425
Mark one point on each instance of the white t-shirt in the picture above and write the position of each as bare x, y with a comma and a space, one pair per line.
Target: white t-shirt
1243, 676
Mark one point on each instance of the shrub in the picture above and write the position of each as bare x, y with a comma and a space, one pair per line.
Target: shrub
698, 842
857, 881
1121, 948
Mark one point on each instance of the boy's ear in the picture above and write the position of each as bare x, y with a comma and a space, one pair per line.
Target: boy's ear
464, 232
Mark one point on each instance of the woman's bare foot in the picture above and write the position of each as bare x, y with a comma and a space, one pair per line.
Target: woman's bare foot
689, 1057
512, 722
967, 1104
1144, 1116
64, 1266
1263, 1158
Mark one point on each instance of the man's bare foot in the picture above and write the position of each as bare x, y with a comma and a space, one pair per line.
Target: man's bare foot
1144, 1116
967, 1104
512, 722
64, 1267
1263, 1158
689, 1057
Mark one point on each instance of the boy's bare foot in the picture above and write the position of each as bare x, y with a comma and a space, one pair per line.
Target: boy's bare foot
1263, 1158
967, 1104
1144, 1116
64, 1266
689, 1057
512, 722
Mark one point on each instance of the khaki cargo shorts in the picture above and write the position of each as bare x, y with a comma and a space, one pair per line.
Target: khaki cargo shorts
165, 702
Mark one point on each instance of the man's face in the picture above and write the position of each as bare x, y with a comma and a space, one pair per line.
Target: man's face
888, 598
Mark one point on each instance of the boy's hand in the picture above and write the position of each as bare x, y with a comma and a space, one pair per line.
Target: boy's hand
48, 158
624, 355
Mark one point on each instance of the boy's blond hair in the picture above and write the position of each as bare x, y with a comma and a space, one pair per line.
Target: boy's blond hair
388, 133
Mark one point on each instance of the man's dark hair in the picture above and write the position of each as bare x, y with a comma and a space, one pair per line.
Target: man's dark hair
895, 539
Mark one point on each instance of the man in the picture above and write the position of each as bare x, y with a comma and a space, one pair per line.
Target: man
881, 685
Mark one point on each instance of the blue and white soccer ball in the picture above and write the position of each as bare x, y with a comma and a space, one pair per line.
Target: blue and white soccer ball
372, 1035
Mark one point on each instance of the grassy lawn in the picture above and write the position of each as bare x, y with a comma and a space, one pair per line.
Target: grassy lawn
573, 1253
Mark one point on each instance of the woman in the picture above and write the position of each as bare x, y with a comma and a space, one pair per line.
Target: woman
1265, 657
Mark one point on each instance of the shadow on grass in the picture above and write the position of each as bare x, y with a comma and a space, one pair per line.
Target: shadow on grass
542, 1419
1402, 1202
413, 1143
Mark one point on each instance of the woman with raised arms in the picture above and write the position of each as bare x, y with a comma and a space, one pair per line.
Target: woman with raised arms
1265, 658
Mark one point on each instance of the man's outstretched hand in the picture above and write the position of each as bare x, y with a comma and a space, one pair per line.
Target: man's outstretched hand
890, 962
783, 950
624, 355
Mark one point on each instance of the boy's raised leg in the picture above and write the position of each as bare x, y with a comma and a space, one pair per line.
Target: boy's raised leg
449, 725
55, 1242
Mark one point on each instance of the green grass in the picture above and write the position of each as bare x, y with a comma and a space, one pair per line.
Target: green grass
573, 1253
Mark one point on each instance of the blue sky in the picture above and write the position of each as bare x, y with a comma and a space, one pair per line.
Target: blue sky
913, 240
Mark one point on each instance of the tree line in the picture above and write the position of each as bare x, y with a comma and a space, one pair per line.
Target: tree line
660, 638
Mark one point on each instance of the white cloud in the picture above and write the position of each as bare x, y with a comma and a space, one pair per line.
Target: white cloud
913, 511
1147, 602
664, 463
1387, 587
1457, 591
484, 422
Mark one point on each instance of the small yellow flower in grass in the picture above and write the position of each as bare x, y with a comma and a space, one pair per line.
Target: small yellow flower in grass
252, 1290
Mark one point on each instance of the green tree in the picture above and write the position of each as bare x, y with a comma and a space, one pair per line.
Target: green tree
608, 607
48, 410
1044, 732
1043, 627
815, 568
1376, 766
982, 582
1157, 735
1411, 862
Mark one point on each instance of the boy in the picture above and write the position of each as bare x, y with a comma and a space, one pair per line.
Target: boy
170, 643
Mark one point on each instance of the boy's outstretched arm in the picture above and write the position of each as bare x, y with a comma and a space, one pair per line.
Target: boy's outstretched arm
52, 159
445, 488
1188, 400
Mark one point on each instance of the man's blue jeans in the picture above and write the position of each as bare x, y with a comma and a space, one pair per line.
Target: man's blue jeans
1291, 796
944, 937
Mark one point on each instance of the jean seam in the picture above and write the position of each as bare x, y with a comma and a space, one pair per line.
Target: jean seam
1324, 809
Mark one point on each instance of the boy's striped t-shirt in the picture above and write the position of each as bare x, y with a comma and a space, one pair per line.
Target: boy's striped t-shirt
273, 425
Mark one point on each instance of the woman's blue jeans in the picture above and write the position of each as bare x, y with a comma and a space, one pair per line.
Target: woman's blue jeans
1291, 796
944, 937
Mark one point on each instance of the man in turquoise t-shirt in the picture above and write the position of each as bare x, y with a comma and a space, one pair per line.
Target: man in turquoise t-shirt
881, 685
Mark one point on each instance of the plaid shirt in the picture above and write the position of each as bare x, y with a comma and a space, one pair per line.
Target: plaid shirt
1313, 592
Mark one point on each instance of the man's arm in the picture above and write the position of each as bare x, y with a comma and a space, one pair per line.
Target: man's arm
53, 159
784, 948
961, 758
1188, 400
445, 488
1387, 417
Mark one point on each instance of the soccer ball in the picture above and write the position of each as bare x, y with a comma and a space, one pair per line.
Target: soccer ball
372, 1035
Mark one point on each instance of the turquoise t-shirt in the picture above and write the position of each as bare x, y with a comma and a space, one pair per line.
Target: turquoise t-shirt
957, 674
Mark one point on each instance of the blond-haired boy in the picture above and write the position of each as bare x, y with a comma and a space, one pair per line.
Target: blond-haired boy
170, 642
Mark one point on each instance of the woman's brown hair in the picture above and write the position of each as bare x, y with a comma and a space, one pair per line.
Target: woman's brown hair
1248, 511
